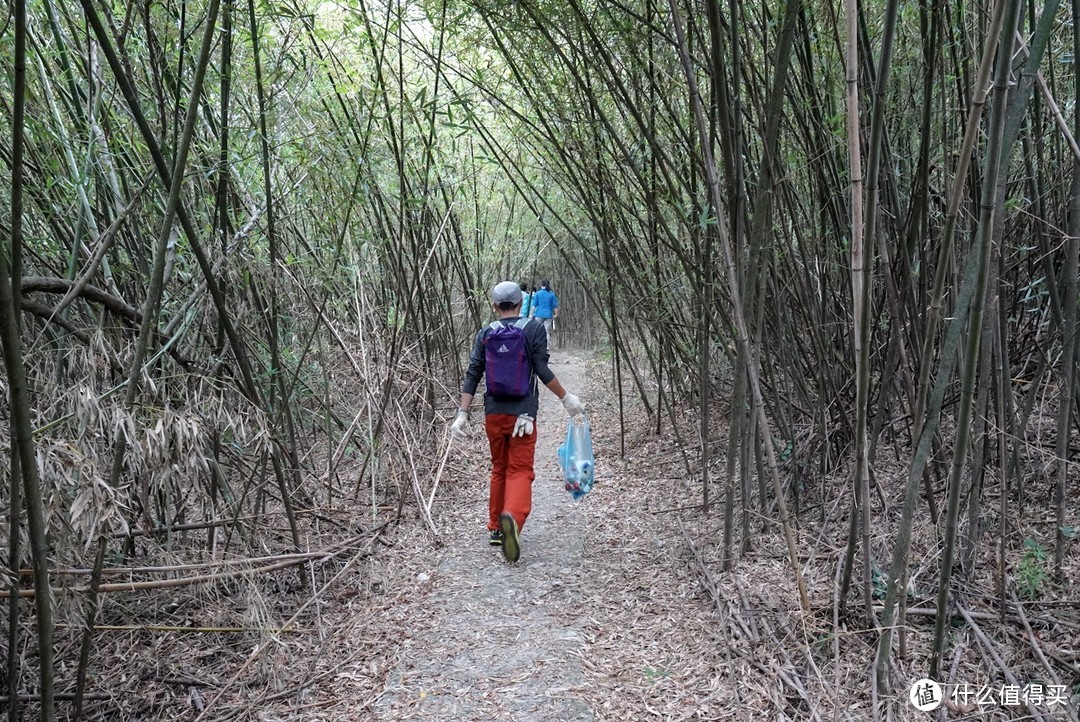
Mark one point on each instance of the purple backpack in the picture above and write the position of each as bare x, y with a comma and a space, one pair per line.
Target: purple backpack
507, 366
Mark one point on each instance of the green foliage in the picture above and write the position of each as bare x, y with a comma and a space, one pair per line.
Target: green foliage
1035, 291
784, 448
605, 353
822, 646
878, 581
653, 675
1031, 573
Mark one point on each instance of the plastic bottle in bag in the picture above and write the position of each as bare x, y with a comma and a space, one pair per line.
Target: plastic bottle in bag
576, 458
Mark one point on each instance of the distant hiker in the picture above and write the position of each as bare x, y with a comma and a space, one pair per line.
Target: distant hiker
510, 354
526, 301
545, 307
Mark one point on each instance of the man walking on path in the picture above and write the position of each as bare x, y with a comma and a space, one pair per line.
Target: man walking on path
511, 354
545, 307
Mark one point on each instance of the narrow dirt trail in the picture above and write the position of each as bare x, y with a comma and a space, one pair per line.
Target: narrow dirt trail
601, 619
493, 640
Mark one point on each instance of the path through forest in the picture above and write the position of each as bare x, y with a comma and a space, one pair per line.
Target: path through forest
601, 618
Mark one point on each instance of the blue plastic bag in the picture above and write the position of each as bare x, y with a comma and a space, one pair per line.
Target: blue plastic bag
576, 458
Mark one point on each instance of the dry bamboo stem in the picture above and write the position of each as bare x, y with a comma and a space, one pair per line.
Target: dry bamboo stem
1059, 119
255, 652
718, 601
185, 567
989, 647
295, 560
168, 628
438, 474
1033, 640
60, 697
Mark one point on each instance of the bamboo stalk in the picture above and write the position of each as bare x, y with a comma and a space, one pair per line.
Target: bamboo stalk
981, 251
926, 421
277, 400
22, 435
147, 329
15, 508
1069, 334
107, 588
113, 571
744, 340
57, 697
202, 630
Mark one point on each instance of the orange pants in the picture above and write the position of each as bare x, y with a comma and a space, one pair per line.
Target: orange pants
511, 470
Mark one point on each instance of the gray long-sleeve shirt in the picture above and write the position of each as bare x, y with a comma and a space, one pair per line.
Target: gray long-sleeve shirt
536, 349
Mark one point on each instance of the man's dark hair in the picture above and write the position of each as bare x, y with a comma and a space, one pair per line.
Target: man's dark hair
507, 305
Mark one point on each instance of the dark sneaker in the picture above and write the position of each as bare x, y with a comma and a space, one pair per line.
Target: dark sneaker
510, 547
495, 537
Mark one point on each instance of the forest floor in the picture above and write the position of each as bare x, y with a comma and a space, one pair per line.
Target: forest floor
617, 610
611, 613
600, 619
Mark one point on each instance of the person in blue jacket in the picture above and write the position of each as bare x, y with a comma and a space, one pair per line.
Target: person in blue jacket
526, 301
545, 307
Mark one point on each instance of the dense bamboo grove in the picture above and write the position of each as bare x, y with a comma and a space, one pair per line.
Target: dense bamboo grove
247, 242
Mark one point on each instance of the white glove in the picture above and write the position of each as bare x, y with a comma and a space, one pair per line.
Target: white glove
573, 405
523, 426
458, 428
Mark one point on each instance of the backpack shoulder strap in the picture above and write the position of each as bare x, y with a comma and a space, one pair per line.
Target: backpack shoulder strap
489, 328
522, 322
